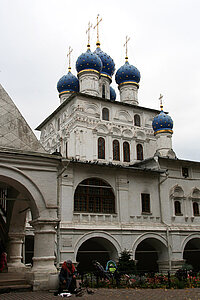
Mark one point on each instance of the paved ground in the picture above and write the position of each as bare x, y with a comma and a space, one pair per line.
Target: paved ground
113, 294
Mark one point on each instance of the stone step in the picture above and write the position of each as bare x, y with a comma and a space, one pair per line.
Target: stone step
11, 281
15, 287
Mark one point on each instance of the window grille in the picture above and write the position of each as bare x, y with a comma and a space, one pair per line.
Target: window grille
116, 150
95, 196
101, 148
126, 150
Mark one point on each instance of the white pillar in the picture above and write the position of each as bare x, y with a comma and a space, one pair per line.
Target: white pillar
15, 252
44, 257
129, 93
164, 145
89, 82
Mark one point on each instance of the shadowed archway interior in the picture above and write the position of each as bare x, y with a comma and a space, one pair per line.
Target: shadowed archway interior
96, 248
148, 253
191, 253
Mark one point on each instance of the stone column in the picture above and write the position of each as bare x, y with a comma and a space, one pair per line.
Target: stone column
15, 252
123, 208
44, 258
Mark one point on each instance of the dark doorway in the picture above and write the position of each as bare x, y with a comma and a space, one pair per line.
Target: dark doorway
94, 249
192, 254
29, 249
146, 256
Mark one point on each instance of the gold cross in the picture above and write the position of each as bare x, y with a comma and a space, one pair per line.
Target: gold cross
125, 45
97, 26
161, 105
69, 55
88, 32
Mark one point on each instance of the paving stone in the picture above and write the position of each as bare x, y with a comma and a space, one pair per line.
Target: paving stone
106, 294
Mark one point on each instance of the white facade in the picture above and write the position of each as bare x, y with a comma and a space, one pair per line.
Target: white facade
79, 123
110, 185
160, 229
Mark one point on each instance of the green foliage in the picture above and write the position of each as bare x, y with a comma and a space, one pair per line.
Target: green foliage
187, 267
126, 264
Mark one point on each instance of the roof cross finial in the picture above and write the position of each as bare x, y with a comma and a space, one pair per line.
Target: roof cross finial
88, 33
125, 45
69, 55
97, 26
161, 105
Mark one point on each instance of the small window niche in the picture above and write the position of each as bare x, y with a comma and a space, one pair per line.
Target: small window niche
185, 172
105, 114
145, 203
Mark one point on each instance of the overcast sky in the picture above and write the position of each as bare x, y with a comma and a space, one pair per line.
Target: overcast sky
164, 46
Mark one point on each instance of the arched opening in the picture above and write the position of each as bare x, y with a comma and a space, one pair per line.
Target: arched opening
195, 209
101, 148
15, 200
148, 253
96, 248
139, 149
105, 114
137, 120
116, 150
126, 150
95, 196
177, 208
191, 253
13, 206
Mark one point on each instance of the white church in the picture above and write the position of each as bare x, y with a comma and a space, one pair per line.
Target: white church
103, 178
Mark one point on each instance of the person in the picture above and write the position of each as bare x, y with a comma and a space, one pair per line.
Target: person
3, 259
111, 267
67, 278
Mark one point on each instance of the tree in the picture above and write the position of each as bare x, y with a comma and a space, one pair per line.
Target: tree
126, 264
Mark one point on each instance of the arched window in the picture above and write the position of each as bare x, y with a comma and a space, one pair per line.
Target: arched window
105, 114
139, 152
101, 148
137, 120
103, 91
177, 208
126, 150
95, 196
116, 150
195, 209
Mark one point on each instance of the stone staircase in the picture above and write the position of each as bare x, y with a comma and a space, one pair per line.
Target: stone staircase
10, 282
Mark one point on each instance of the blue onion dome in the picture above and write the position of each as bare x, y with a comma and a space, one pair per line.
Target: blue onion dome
127, 74
108, 63
88, 61
162, 123
112, 94
68, 83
